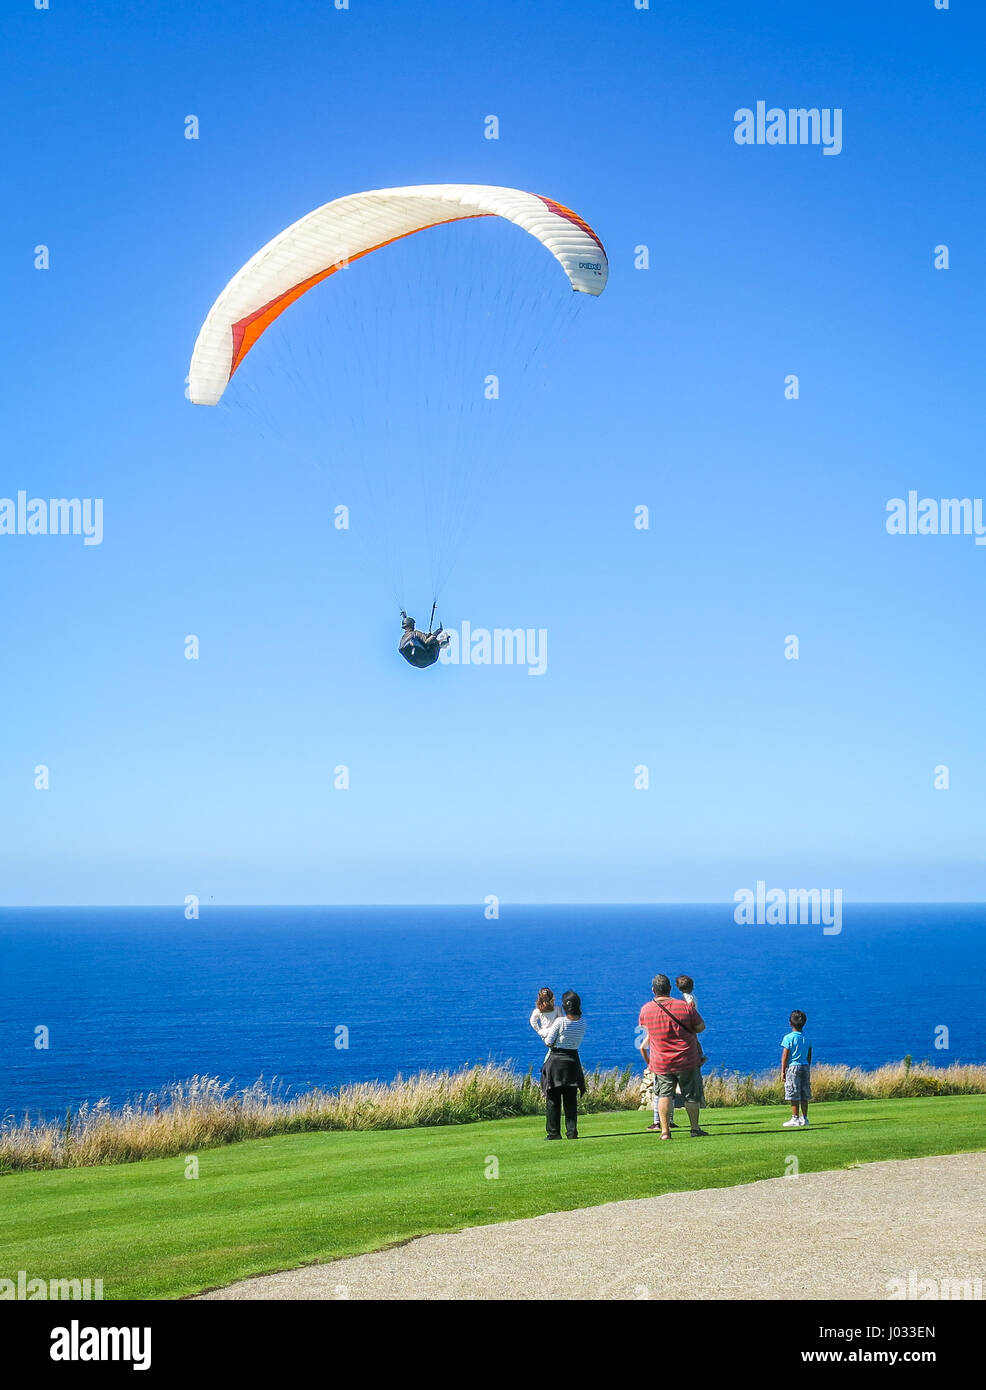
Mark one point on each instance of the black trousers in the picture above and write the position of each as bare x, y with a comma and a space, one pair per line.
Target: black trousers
554, 1098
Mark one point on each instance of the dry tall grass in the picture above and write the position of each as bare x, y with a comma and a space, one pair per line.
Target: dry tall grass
204, 1112
896, 1079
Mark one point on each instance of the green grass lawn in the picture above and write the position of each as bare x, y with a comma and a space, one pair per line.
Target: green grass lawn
150, 1232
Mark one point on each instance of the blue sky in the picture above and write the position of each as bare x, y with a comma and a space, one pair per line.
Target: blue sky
215, 777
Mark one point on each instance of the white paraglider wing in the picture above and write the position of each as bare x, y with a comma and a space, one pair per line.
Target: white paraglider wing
342, 231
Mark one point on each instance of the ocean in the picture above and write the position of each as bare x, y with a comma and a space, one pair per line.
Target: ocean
134, 998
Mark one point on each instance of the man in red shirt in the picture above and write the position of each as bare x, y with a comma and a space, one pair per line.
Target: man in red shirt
672, 1053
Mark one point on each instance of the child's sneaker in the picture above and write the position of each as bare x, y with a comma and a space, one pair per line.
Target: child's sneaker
791, 1124
803, 1122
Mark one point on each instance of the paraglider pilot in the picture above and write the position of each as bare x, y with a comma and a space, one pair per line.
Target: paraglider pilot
421, 649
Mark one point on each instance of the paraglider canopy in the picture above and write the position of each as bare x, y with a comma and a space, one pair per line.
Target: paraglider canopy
333, 236
411, 375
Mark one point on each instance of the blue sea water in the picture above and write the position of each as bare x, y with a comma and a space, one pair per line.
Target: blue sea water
136, 997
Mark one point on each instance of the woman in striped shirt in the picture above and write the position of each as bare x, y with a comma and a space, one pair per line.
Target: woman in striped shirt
562, 1077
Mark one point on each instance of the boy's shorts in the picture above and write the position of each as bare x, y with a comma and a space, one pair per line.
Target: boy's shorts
690, 1082
797, 1082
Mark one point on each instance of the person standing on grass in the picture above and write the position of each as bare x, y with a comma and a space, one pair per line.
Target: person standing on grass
796, 1071
562, 1077
673, 1054
687, 985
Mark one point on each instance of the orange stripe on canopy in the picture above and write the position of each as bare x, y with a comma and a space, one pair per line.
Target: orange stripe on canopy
562, 211
248, 330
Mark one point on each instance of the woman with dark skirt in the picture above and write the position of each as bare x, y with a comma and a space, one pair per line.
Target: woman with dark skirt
562, 1077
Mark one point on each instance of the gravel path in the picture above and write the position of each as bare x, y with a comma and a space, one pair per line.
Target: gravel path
842, 1234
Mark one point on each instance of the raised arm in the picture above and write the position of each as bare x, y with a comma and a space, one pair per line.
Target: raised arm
551, 1036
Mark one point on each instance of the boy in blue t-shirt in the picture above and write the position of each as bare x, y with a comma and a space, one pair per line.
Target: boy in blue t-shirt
796, 1071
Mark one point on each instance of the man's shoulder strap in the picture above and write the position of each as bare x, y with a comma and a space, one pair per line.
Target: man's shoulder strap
680, 1021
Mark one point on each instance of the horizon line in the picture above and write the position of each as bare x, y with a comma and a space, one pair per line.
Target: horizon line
477, 903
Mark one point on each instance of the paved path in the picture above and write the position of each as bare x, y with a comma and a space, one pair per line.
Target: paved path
842, 1234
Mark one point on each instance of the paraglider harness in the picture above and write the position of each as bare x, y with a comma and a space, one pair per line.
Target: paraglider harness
420, 649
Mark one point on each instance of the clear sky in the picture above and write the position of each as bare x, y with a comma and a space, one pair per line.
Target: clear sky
666, 646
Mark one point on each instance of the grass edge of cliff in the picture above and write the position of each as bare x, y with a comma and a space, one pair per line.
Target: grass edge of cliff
170, 1227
